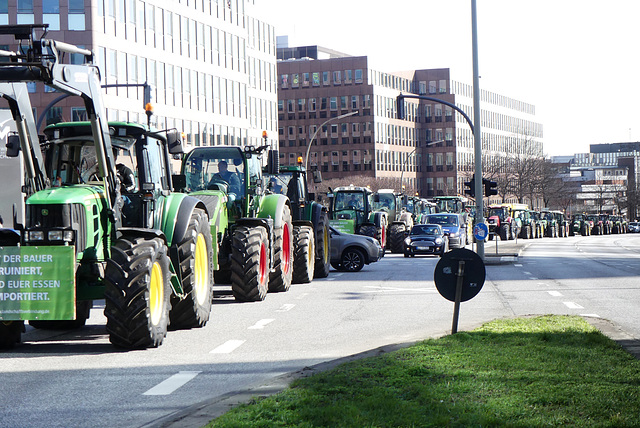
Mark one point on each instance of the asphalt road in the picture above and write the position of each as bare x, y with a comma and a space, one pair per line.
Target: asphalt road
67, 379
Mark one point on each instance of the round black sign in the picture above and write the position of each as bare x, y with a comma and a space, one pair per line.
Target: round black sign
445, 276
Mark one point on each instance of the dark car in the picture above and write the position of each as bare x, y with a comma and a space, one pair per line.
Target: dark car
426, 239
453, 227
351, 252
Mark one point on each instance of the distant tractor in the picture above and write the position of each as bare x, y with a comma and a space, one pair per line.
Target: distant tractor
400, 220
351, 210
312, 251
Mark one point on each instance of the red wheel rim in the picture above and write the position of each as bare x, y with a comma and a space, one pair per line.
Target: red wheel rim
263, 263
286, 248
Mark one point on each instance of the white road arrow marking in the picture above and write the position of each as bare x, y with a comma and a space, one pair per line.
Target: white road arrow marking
174, 382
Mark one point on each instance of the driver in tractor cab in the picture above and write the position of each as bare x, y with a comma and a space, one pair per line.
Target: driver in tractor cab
355, 203
230, 177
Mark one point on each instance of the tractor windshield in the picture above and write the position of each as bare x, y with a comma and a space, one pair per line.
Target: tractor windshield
215, 169
499, 212
386, 202
349, 201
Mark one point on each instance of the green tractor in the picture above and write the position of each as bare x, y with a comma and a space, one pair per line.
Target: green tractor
312, 243
143, 249
400, 221
580, 225
253, 229
351, 210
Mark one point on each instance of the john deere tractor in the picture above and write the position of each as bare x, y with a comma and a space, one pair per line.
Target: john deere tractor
142, 248
400, 220
253, 230
352, 210
312, 245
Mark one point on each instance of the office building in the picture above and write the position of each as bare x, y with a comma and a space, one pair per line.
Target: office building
211, 63
431, 150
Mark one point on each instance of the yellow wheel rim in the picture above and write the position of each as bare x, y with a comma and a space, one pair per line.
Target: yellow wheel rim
311, 253
201, 273
156, 293
325, 245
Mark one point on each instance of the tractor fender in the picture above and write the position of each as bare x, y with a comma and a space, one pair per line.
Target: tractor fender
316, 212
176, 217
378, 218
124, 232
272, 206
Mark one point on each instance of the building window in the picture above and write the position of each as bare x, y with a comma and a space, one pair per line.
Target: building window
325, 77
334, 103
4, 13
358, 76
343, 102
51, 14
432, 86
54, 115
337, 77
315, 77
347, 76
443, 86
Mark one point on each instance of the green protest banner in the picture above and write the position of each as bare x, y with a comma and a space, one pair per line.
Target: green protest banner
343, 225
37, 283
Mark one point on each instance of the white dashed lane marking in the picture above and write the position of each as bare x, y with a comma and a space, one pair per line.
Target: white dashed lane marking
228, 347
555, 293
286, 307
572, 305
167, 386
260, 324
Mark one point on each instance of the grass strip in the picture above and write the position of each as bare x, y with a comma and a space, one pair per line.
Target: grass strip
523, 372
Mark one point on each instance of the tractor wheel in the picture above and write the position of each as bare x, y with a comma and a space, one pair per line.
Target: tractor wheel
368, 230
527, 232
381, 234
504, 233
137, 292
83, 307
396, 237
323, 247
304, 254
196, 267
10, 333
249, 264
282, 273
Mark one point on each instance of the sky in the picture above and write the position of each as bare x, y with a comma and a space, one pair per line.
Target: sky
576, 61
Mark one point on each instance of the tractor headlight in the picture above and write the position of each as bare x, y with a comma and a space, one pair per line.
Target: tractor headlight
55, 235
35, 235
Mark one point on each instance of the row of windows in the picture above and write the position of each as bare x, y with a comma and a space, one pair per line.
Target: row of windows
302, 142
337, 77
182, 87
75, 16
332, 103
343, 128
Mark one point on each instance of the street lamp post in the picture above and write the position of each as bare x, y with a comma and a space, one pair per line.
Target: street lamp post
431, 143
342, 116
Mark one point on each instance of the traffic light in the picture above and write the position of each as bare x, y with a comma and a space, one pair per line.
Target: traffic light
400, 106
489, 187
471, 187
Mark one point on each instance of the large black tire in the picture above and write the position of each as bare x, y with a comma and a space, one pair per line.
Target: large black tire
504, 232
396, 237
249, 264
10, 333
352, 260
83, 307
323, 247
195, 255
282, 272
368, 230
137, 292
304, 254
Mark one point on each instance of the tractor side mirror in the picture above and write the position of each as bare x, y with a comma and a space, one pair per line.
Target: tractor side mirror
174, 142
179, 182
317, 176
13, 146
273, 162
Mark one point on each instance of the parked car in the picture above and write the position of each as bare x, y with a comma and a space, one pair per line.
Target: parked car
426, 239
634, 227
452, 225
351, 252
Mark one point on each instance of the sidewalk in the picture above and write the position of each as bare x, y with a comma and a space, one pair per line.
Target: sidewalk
500, 252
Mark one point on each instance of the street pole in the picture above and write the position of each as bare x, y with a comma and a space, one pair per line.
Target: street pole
342, 116
477, 135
